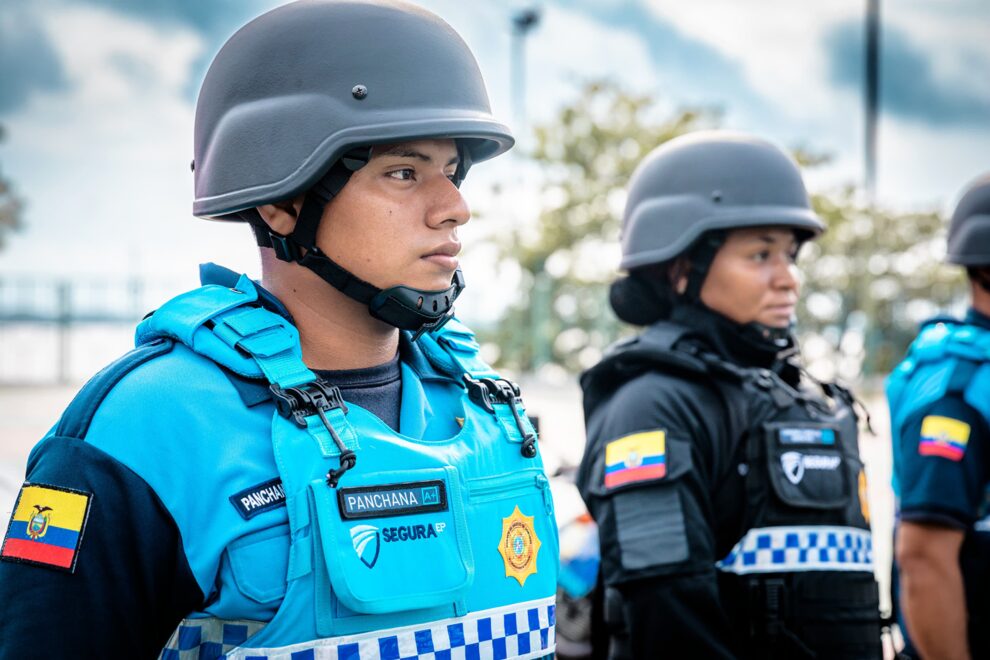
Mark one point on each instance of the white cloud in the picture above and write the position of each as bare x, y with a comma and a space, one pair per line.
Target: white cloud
951, 39
104, 164
934, 165
778, 43
572, 48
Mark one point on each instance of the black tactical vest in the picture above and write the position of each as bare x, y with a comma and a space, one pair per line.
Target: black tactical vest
796, 579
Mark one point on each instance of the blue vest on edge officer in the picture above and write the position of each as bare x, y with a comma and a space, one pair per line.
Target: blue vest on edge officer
275, 472
940, 424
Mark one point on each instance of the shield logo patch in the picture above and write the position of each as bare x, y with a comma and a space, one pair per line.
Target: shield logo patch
793, 464
366, 541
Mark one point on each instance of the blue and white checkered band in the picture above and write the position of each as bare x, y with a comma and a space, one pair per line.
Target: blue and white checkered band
207, 639
519, 632
800, 548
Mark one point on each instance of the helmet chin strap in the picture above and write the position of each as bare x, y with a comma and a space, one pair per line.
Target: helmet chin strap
405, 307
781, 338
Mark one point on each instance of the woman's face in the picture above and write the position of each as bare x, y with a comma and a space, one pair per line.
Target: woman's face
753, 277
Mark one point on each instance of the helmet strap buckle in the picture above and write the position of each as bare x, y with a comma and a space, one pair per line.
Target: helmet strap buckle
285, 248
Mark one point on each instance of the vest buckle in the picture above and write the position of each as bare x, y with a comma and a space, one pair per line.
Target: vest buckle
316, 398
299, 402
488, 392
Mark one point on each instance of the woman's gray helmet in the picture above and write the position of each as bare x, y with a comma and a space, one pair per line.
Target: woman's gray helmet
969, 231
706, 181
696, 187
293, 101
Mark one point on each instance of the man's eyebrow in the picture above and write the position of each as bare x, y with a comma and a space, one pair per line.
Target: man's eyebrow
400, 151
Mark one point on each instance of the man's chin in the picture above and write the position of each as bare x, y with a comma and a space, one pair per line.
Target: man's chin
429, 284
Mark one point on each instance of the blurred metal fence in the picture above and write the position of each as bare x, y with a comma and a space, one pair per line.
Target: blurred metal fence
59, 330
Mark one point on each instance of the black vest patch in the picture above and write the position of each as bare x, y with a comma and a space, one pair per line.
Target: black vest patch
392, 500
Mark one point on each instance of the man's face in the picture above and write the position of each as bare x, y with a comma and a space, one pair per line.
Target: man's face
396, 220
753, 277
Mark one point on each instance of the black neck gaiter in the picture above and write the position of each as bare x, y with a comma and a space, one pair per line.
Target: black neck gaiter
736, 343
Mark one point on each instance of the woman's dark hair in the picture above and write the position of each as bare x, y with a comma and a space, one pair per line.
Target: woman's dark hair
980, 275
645, 296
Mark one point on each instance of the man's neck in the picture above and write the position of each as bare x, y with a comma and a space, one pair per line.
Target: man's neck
335, 331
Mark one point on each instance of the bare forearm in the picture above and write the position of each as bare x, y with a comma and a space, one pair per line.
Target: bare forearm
934, 603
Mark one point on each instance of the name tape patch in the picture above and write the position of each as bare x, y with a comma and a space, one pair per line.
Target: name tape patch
806, 436
392, 499
258, 499
47, 526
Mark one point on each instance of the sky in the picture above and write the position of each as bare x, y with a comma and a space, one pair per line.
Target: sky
97, 100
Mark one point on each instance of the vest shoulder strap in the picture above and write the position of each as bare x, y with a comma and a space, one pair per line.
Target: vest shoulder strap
948, 356
230, 327
453, 350
662, 345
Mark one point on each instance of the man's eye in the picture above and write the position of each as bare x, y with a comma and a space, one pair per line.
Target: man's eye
761, 256
405, 174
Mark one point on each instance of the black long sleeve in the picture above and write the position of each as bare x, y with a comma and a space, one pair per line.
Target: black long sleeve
130, 584
658, 537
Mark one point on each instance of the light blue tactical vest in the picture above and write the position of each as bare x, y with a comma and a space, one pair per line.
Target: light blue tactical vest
399, 546
947, 356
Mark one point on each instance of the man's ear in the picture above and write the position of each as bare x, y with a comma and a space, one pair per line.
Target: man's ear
281, 216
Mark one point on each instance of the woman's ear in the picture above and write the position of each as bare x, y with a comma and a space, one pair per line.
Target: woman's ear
678, 274
281, 216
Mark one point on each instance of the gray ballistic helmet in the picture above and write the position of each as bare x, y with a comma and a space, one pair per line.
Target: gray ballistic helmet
969, 232
705, 181
293, 103
296, 88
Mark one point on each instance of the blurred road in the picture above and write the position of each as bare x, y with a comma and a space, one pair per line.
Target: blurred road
26, 414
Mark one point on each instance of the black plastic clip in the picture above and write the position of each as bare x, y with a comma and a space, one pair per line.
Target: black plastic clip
433, 326
316, 398
285, 248
486, 392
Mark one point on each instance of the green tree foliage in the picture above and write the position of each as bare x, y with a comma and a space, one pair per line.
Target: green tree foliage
10, 205
587, 154
868, 280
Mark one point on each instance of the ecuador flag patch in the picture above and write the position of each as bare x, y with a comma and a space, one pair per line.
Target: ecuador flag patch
47, 526
637, 457
943, 436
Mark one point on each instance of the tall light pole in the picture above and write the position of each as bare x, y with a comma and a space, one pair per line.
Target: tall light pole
523, 22
872, 97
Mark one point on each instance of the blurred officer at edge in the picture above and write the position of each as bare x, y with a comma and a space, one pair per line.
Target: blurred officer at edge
318, 465
940, 425
727, 487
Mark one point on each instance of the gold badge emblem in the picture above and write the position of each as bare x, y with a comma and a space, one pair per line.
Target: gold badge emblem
519, 546
864, 500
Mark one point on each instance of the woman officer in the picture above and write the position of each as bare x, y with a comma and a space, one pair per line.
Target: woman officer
728, 491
